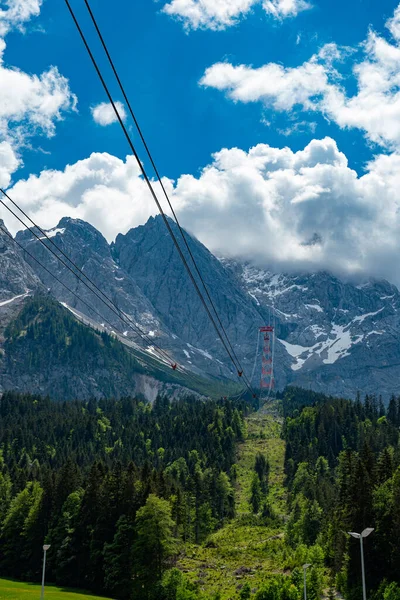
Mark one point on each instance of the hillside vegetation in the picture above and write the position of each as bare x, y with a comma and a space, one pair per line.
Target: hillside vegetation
193, 500
251, 547
48, 350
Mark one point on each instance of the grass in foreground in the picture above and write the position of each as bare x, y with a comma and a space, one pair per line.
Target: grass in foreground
13, 590
246, 549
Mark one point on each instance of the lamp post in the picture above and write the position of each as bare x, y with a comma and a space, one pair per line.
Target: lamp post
45, 548
305, 567
361, 536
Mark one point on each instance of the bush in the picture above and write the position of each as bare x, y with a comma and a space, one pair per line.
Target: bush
391, 591
245, 592
175, 586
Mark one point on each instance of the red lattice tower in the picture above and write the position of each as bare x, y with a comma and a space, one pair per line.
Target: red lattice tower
267, 367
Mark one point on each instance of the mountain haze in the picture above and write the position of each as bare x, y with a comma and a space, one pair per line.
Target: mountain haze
332, 336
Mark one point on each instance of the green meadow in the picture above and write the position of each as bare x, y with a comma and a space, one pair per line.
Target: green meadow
14, 590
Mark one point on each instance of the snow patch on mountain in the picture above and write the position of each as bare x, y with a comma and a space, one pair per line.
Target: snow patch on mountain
335, 347
53, 232
362, 318
315, 307
5, 302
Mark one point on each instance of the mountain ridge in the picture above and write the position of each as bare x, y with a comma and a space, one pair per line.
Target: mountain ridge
331, 335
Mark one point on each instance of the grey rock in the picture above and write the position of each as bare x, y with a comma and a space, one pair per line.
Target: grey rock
148, 254
331, 335
342, 337
16, 276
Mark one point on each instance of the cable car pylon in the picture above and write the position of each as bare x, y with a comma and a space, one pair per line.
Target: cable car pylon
267, 362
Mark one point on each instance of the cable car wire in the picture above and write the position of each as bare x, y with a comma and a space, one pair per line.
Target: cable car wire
240, 371
159, 178
163, 355
114, 329
120, 314
124, 317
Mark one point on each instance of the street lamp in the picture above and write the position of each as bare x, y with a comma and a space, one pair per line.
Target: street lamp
360, 536
45, 548
305, 567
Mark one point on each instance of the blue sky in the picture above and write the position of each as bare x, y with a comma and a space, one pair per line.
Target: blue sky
276, 127
161, 65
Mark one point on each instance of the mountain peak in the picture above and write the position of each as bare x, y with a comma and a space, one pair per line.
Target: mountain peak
78, 225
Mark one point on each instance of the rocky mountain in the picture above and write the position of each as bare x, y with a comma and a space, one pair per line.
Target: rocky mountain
89, 251
17, 280
334, 336
341, 337
36, 338
47, 351
148, 255
16, 276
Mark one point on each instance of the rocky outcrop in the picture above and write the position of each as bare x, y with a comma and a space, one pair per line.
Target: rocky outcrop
334, 336
341, 337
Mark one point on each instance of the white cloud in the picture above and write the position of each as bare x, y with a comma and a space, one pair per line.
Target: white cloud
18, 12
102, 189
317, 86
104, 113
220, 14
29, 104
393, 24
304, 210
281, 9
282, 88
9, 163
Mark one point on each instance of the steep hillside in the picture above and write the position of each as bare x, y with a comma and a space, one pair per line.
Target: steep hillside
148, 254
333, 336
89, 251
47, 351
17, 278
341, 337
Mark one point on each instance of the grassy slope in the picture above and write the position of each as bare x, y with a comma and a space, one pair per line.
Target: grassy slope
245, 549
49, 317
13, 590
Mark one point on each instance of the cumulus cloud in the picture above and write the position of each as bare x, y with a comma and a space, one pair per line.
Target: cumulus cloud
9, 163
317, 85
220, 14
282, 9
29, 104
292, 210
104, 113
17, 13
102, 189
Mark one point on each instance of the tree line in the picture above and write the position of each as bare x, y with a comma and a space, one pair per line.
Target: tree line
116, 487
342, 469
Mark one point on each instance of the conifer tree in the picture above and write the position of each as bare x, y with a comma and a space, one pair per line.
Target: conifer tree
154, 544
256, 496
118, 560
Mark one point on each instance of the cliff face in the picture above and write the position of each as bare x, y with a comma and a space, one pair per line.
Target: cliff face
48, 352
17, 281
340, 337
333, 336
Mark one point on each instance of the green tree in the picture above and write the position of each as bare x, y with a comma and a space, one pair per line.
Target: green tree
63, 560
17, 525
118, 560
256, 496
175, 586
245, 592
5, 496
392, 592
154, 543
268, 591
262, 469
